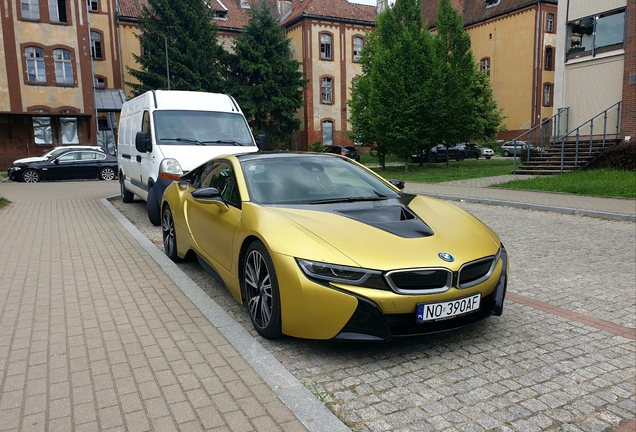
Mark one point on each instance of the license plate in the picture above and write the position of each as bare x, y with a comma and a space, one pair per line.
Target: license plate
449, 309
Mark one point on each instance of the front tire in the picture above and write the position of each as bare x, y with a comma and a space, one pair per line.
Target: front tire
107, 174
154, 213
432, 157
506, 153
460, 156
31, 176
126, 196
169, 235
262, 294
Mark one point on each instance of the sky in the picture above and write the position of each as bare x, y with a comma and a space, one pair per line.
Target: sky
366, 2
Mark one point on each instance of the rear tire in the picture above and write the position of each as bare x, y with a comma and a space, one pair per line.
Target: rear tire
126, 196
460, 156
154, 212
31, 176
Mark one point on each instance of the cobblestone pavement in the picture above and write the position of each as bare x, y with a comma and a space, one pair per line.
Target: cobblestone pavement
561, 358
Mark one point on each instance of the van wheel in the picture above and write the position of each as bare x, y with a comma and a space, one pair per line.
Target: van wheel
126, 196
154, 213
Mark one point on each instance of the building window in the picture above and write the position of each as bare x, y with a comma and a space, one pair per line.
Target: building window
327, 132
93, 5
325, 46
68, 130
549, 25
57, 11
549, 53
484, 65
63, 66
358, 44
596, 34
96, 45
491, 3
547, 94
99, 82
326, 90
42, 130
30, 9
36, 71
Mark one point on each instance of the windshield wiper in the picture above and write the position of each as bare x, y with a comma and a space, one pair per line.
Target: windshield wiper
349, 199
225, 142
192, 140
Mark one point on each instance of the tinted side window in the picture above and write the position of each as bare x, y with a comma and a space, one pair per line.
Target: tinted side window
221, 176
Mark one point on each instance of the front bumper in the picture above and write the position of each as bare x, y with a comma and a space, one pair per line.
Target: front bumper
15, 173
368, 323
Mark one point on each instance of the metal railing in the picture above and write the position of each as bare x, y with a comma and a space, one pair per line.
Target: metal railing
543, 135
590, 124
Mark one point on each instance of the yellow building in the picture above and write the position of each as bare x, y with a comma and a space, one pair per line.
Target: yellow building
514, 41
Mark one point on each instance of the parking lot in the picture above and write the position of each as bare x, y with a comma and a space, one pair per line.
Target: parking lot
562, 357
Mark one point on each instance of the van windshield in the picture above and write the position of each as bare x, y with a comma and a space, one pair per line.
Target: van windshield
202, 128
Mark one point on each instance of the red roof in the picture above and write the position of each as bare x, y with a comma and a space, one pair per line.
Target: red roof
338, 10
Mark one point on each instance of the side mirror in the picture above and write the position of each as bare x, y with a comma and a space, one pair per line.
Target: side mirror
142, 142
56, 161
397, 183
210, 196
262, 142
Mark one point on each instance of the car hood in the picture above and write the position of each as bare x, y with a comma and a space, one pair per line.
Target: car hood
191, 156
371, 245
28, 160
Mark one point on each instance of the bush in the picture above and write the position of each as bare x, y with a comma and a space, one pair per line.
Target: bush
621, 157
316, 146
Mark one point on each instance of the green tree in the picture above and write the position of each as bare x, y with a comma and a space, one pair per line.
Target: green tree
196, 60
466, 109
393, 99
266, 82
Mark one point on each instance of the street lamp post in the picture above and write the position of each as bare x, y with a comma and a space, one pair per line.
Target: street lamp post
165, 43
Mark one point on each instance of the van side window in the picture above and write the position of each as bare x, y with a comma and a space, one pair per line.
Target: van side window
145, 123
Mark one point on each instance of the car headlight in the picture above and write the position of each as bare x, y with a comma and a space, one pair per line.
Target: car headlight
170, 169
324, 273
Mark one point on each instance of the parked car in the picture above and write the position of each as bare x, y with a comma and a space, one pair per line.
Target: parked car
416, 157
508, 148
473, 150
348, 151
49, 154
439, 153
70, 165
319, 247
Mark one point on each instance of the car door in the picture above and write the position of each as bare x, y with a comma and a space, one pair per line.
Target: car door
63, 167
89, 164
212, 225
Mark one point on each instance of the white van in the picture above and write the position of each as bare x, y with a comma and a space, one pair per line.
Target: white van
165, 133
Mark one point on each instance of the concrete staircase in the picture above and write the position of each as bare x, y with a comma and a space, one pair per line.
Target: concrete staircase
548, 160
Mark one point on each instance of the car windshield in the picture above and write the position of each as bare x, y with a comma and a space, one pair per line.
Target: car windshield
311, 180
201, 128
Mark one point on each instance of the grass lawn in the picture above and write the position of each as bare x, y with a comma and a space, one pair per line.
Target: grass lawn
603, 183
3, 202
440, 172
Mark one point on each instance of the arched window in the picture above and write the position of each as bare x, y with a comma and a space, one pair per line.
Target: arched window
326, 46
549, 53
326, 90
63, 66
96, 45
36, 71
358, 44
549, 25
547, 94
484, 65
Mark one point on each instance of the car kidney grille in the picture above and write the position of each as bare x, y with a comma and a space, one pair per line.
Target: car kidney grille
475, 272
420, 281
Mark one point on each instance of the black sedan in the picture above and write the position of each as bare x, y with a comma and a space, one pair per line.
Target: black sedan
70, 165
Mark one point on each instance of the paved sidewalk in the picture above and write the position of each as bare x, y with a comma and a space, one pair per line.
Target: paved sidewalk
100, 331
95, 334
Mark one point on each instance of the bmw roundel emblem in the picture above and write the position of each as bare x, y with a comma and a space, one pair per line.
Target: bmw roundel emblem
446, 256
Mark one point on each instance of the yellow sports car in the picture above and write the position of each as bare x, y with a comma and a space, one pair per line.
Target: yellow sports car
321, 247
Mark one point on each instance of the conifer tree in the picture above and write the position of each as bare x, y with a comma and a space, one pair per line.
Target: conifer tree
185, 28
266, 82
